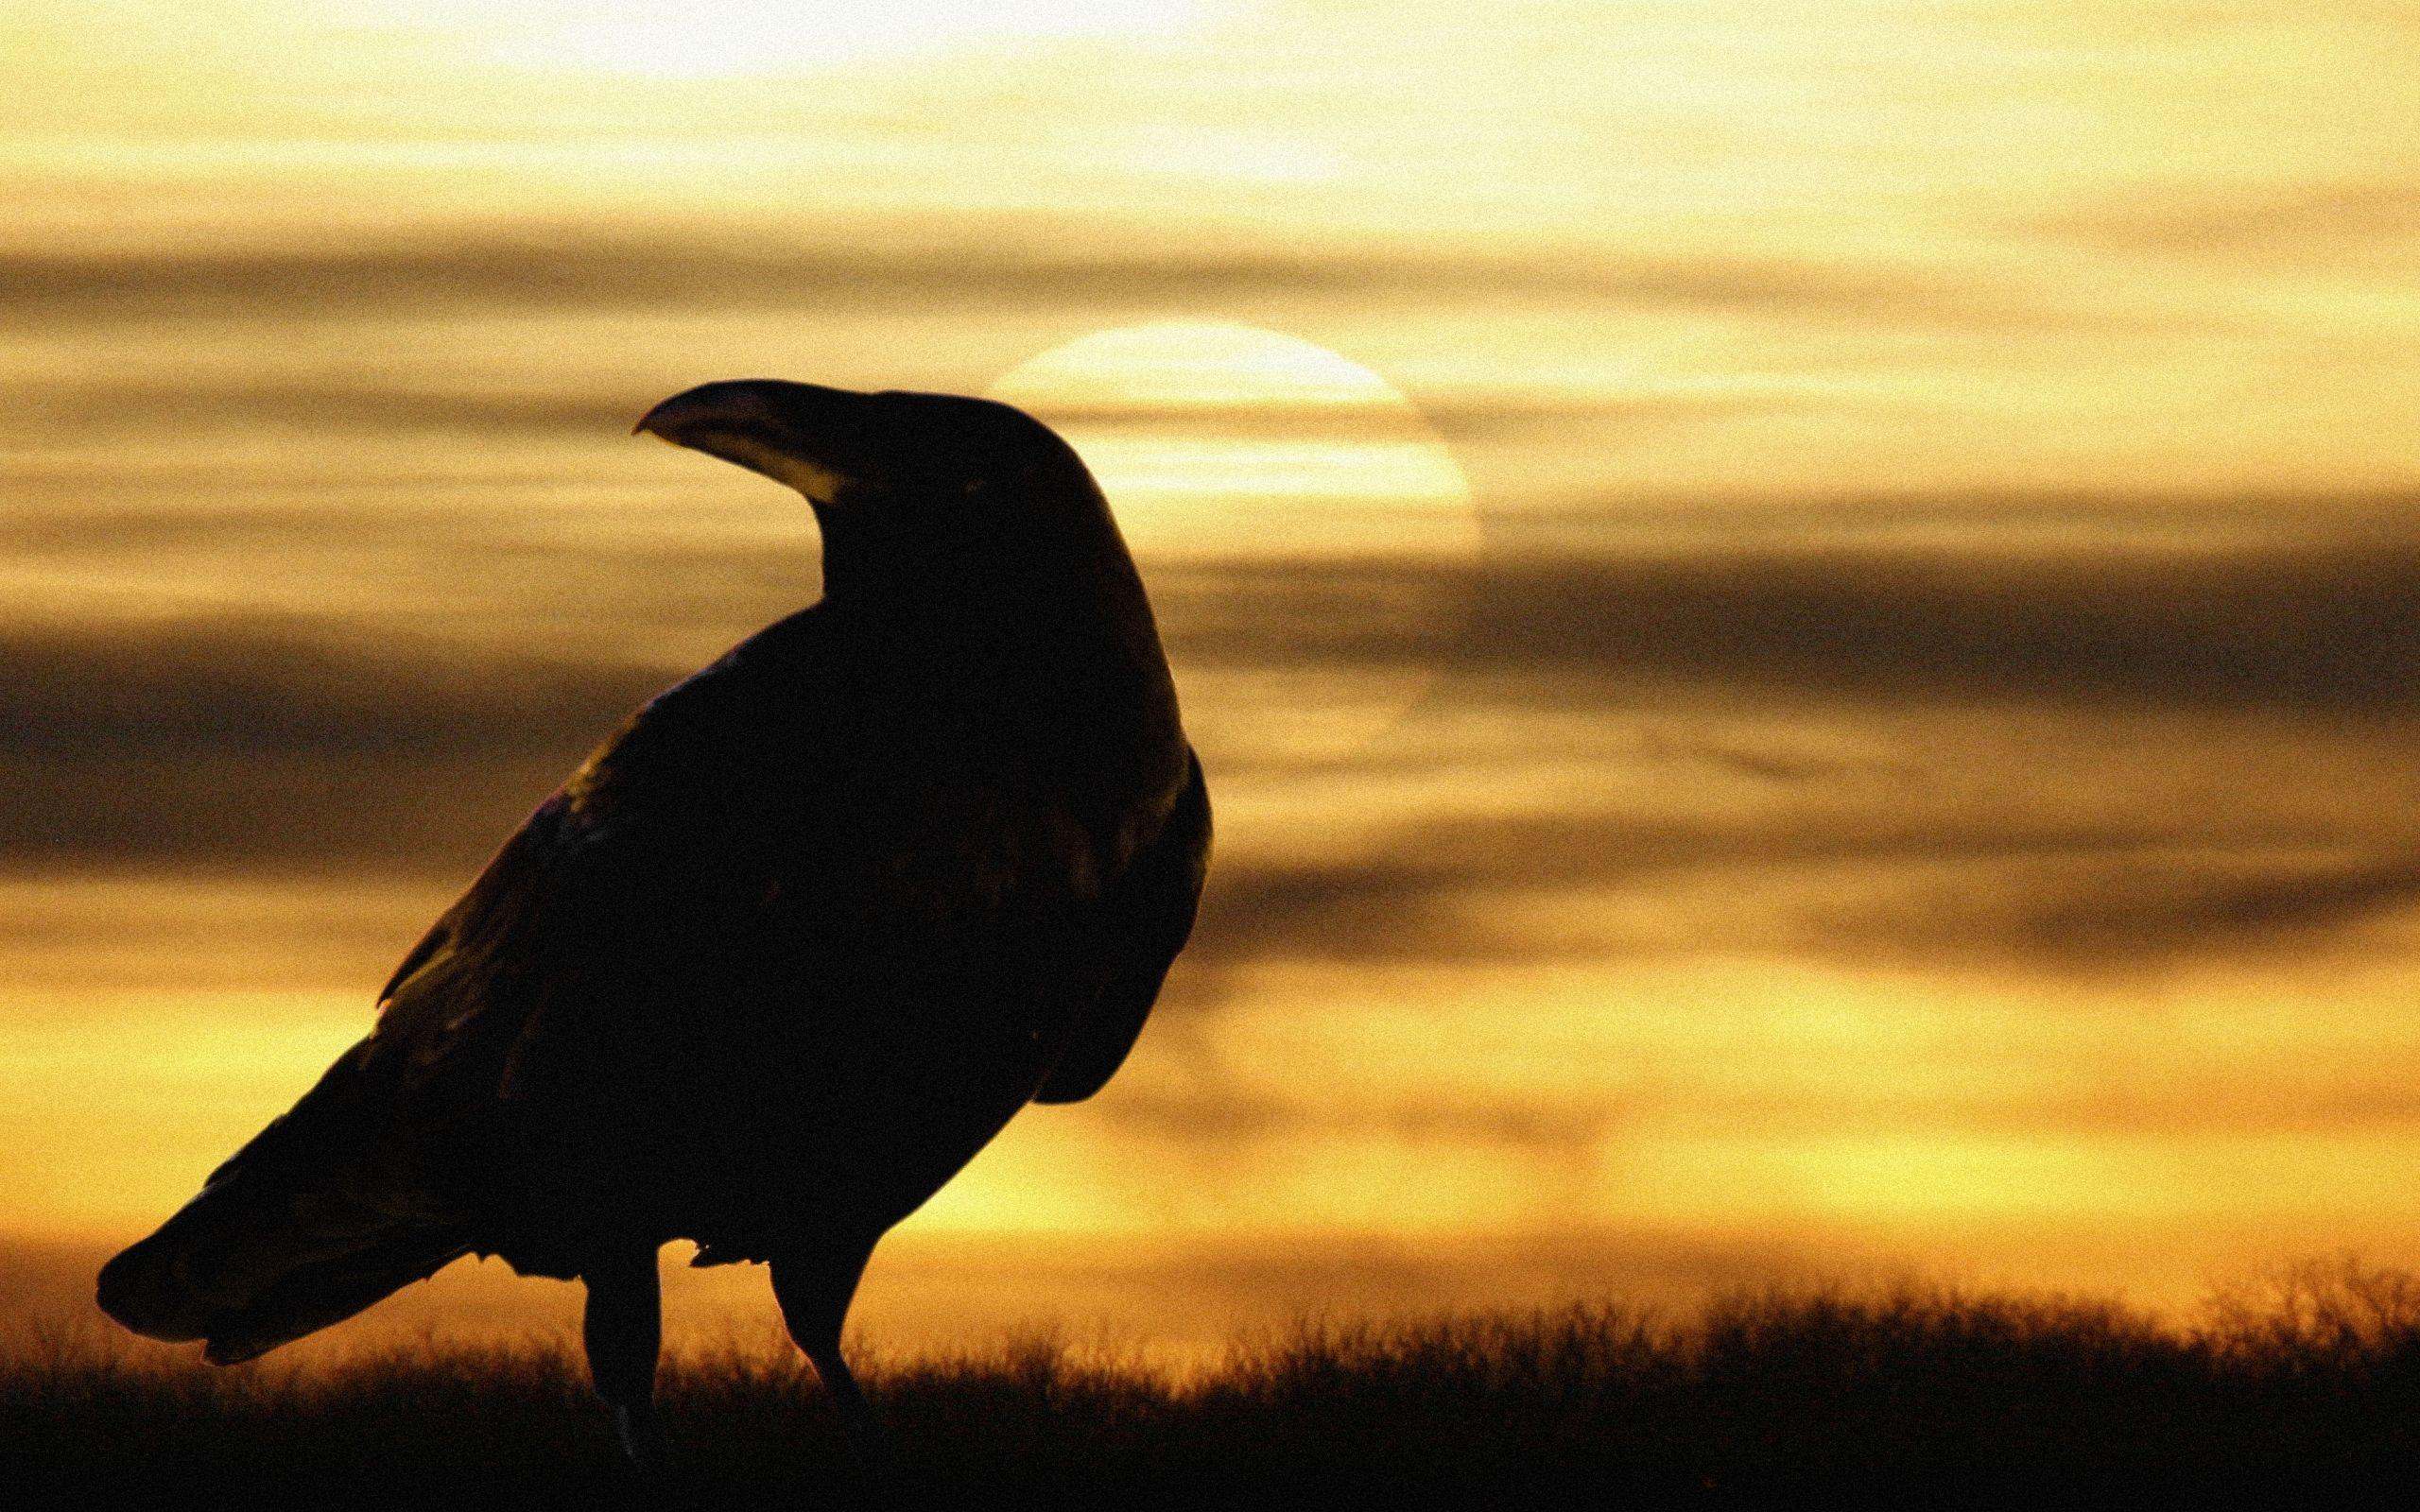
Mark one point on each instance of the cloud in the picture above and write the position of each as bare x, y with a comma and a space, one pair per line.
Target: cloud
2071, 763
2154, 907
232, 742
1229, 1114
117, 411
134, 737
2263, 223
1945, 891
112, 411
257, 689
1056, 265
2313, 628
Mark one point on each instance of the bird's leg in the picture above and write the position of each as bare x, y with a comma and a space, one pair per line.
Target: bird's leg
624, 1331
814, 1287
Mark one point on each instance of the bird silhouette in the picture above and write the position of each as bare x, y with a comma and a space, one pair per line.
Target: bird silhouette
785, 952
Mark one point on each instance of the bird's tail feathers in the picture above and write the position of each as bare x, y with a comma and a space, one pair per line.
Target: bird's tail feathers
293, 1233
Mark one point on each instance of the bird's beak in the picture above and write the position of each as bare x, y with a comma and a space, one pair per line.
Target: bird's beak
817, 440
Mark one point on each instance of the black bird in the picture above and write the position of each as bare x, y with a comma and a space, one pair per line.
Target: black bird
785, 952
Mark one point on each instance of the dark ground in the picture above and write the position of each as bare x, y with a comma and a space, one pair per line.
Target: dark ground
2306, 1395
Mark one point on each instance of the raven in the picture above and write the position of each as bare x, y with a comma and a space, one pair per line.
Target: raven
785, 952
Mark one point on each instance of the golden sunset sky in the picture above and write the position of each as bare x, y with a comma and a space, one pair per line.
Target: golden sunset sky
1801, 614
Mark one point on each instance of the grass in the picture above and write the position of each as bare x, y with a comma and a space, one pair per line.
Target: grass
2304, 1392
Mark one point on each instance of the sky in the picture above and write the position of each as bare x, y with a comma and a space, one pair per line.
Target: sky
1798, 614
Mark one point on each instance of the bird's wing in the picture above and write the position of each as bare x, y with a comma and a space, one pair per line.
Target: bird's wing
624, 892
1149, 916
476, 988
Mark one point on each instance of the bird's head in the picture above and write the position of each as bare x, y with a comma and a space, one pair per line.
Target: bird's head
955, 504
852, 451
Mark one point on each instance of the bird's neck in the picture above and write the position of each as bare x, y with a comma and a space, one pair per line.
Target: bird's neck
1025, 603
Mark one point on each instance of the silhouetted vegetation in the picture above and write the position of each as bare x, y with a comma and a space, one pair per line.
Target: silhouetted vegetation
2304, 1392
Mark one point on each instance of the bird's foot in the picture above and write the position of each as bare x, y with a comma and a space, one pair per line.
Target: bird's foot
641, 1437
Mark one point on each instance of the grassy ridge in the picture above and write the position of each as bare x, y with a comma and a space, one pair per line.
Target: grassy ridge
2305, 1394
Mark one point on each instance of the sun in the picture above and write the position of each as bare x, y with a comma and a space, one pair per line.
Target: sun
1253, 472
1230, 441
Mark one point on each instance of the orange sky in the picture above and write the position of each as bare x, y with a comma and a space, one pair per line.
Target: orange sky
1799, 612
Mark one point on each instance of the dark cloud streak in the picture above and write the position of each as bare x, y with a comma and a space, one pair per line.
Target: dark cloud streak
2263, 224
2316, 628
234, 743
1073, 266
55, 414
1862, 889
228, 743
181, 692
118, 410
